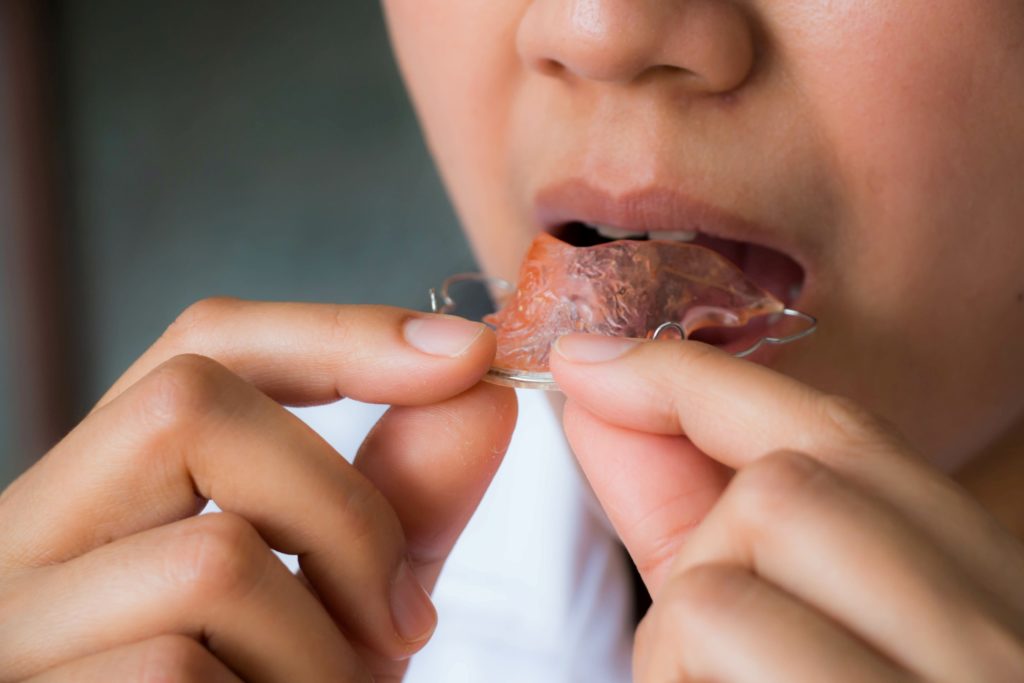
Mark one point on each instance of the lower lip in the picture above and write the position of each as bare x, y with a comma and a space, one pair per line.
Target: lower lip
737, 339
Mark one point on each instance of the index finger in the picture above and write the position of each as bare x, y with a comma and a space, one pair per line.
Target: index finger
303, 354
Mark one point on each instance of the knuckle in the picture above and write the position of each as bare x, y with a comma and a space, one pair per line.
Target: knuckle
664, 546
698, 595
342, 327
666, 636
217, 557
347, 331
679, 360
182, 389
194, 320
773, 487
853, 423
369, 517
682, 358
693, 607
172, 659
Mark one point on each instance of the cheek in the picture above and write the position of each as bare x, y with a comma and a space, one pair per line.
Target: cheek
460, 64
922, 107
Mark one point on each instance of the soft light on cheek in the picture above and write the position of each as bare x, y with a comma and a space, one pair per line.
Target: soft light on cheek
921, 108
910, 97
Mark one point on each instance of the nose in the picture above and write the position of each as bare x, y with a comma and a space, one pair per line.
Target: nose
709, 42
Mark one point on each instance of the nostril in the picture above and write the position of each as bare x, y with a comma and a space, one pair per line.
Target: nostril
618, 41
666, 70
549, 67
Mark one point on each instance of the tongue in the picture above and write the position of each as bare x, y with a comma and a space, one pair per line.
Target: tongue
622, 288
770, 270
773, 271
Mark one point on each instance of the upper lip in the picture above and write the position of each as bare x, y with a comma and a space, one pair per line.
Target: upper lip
653, 208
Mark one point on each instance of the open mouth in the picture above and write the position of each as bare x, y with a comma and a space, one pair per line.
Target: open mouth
770, 269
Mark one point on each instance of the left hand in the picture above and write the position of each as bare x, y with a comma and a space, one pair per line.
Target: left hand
785, 534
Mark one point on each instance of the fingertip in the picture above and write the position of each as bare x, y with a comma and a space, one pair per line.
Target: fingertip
593, 348
454, 341
434, 358
442, 335
584, 367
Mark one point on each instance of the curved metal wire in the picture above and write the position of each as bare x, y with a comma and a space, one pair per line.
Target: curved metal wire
665, 327
445, 304
812, 325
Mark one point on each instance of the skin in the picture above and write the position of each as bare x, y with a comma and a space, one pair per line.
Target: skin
786, 533
106, 572
887, 140
885, 137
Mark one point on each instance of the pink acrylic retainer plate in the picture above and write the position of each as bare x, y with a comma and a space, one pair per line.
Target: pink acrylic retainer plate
626, 288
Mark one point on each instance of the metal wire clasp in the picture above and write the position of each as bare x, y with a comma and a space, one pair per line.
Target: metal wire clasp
442, 302
812, 325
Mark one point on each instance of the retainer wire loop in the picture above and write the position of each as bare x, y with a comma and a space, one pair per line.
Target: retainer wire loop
812, 325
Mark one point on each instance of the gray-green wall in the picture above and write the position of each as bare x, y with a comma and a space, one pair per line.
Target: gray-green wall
261, 149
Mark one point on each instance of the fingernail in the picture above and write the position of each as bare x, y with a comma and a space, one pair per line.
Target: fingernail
442, 335
593, 348
411, 608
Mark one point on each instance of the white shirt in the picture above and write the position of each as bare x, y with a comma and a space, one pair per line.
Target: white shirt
536, 589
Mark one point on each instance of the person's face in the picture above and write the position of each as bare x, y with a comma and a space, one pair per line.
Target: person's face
878, 143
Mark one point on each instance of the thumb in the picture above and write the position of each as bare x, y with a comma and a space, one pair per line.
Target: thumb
655, 488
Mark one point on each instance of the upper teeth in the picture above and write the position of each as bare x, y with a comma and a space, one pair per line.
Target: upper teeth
614, 233
679, 235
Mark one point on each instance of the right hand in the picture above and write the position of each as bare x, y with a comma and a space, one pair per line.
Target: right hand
106, 572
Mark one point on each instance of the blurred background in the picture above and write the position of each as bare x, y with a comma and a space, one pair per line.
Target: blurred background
152, 154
